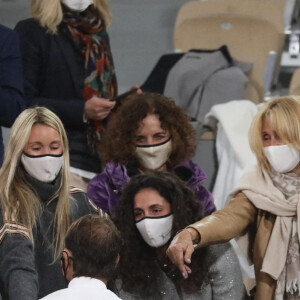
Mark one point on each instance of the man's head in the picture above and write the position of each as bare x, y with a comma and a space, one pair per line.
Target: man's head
92, 247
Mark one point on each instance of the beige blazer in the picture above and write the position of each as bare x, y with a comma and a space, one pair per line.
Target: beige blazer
238, 217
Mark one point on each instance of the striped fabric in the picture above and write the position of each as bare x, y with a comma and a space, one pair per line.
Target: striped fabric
10, 227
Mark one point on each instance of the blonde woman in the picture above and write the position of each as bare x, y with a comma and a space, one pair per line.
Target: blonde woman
37, 206
265, 205
68, 67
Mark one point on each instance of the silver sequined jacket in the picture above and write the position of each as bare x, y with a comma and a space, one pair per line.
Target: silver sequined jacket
222, 281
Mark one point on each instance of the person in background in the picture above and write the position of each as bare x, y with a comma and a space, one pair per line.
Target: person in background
37, 206
11, 81
89, 259
149, 132
152, 208
264, 205
68, 67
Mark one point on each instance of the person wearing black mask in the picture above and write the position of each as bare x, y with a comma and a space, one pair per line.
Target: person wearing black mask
89, 259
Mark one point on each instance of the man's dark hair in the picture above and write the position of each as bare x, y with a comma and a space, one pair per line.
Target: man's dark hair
95, 243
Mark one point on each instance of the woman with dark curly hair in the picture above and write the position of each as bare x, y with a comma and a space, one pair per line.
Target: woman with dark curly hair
149, 132
152, 208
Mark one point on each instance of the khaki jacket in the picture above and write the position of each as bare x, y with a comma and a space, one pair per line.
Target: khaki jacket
240, 216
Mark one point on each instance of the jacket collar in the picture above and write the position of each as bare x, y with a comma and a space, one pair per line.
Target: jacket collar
86, 282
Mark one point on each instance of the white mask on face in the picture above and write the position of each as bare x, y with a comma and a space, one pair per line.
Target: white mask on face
156, 232
283, 158
154, 156
43, 168
77, 5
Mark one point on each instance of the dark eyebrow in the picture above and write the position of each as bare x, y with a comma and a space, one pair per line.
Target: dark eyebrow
156, 205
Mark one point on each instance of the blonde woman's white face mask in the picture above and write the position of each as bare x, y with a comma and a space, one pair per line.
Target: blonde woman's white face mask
44, 168
77, 5
42, 156
282, 158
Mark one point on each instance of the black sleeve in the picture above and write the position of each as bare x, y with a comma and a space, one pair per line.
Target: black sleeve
11, 77
18, 274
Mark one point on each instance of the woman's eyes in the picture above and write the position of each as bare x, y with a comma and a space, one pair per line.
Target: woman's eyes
140, 139
40, 148
266, 137
159, 137
138, 215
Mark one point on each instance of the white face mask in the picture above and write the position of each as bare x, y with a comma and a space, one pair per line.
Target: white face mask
43, 168
156, 232
154, 156
77, 5
283, 158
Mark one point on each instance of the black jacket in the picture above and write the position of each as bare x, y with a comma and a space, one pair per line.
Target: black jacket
54, 77
11, 80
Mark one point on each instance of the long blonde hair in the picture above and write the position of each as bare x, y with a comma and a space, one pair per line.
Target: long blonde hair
19, 203
283, 113
49, 13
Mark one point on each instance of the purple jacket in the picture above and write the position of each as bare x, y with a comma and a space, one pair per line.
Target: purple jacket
105, 188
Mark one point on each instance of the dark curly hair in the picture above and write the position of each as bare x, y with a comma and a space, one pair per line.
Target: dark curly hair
136, 254
118, 143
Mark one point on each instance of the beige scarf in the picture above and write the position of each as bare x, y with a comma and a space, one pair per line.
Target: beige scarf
260, 190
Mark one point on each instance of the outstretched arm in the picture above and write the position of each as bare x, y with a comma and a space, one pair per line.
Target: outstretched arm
181, 249
220, 227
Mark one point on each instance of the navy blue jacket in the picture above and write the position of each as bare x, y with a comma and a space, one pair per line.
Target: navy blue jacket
54, 77
11, 80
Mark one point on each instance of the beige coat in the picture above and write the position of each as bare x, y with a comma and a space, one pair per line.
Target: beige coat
239, 216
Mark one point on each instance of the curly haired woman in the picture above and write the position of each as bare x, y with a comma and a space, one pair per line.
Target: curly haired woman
149, 132
152, 208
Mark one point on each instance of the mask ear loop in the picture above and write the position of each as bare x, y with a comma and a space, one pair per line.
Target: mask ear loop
64, 268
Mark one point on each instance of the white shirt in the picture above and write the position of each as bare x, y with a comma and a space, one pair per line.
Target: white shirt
82, 288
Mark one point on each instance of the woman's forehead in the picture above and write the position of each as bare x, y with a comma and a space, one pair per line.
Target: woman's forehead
269, 122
